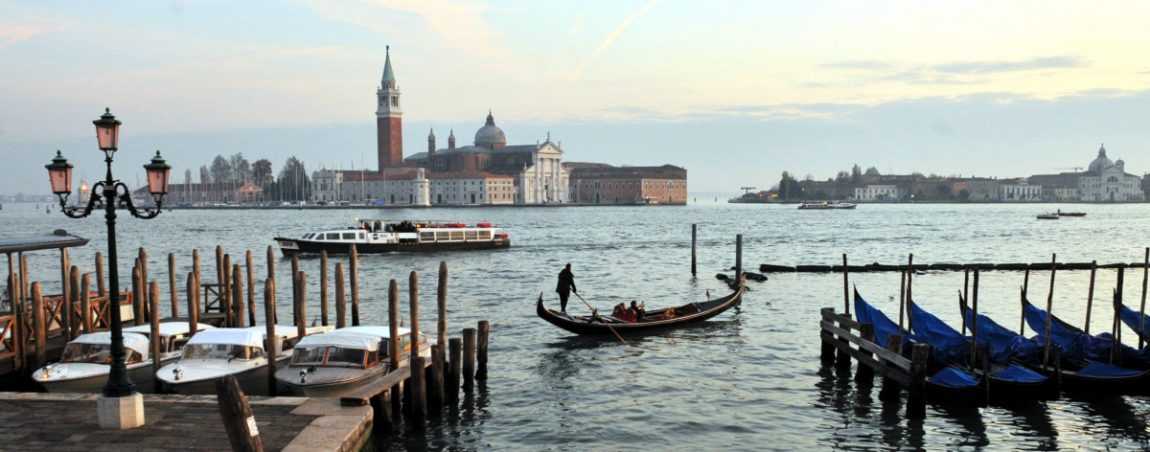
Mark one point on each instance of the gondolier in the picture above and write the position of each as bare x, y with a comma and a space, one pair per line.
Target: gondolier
565, 287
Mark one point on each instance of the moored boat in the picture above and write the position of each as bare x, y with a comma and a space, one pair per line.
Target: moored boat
379, 236
652, 320
220, 352
86, 361
331, 364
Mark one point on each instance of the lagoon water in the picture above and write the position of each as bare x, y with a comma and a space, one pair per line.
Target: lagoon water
748, 380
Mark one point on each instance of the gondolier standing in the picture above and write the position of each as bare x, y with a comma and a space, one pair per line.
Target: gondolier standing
565, 287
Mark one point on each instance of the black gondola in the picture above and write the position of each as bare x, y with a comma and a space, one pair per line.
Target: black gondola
652, 320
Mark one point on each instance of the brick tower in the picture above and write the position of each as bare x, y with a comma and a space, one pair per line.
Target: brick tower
389, 119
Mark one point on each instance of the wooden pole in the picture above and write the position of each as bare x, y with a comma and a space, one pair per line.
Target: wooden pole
25, 302
70, 303
1090, 296
1116, 325
340, 299
86, 302
353, 268
301, 305
100, 281
294, 284
965, 296
154, 336
481, 350
890, 388
418, 407
909, 287
237, 415
916, 402
441, 303
901, 298
974, 325
251, 287
864, 375
468, 359
66, 289
1142, 306
173, 287
226, 292
1025, 299
144, 283
323, 287
270, 336
17, 313
1049, 311
271, 256
694, 242
238, 295
220, 266
193, 304
413, 309
138, 295
739, 259
435, 382
846, 287
393, 335
41, 325
455, 347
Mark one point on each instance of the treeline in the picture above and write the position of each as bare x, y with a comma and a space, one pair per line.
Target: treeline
234, 173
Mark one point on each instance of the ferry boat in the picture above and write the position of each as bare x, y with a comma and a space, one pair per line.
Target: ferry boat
332, 364
824, 205
379, 236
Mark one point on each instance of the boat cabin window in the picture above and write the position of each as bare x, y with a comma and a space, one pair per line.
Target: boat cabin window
328, 356
87, 353
442, 235
177, 342
484, 235
221, 351
332, 236
308, 356
345, 357
471, 234
426, 236
349, 236
456, 235
308, 235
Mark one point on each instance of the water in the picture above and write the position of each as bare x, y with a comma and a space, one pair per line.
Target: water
750, 379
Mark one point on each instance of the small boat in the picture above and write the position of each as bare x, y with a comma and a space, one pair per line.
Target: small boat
1070, 214
331, 364
86, 360
221, 352
379, 236
825, 205
1048, 216
652, 320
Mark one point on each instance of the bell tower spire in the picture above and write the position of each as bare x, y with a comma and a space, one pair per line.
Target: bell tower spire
389, 118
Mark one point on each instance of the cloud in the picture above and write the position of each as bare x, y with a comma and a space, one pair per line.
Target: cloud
994, 67
864, 65
12, 33
612, 37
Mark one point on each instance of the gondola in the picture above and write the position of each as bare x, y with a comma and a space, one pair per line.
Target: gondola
652, 320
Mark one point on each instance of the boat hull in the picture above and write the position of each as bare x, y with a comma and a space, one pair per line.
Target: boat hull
583, 326
292, 247
141, 376
326, 389
253, 381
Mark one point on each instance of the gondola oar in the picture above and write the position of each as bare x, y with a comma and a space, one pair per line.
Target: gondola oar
608, 326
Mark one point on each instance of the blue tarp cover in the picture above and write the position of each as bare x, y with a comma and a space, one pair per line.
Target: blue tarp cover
1132, 319
1005, 345
884, 328
954, 378
1018, 374
948, 345
1097, 369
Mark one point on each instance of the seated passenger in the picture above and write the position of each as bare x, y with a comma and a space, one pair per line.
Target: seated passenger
637, 310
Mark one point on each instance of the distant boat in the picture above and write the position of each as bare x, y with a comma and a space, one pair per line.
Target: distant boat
1070, 214
825, 205
1048, 216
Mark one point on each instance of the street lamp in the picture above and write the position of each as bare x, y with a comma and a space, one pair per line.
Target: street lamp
120, 406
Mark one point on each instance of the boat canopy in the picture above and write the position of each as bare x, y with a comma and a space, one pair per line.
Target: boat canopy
284, 331
372, 330
884, 328
1134, 320
167, 328
948, 345
341, 340
233, 336
1005, 345
134, 341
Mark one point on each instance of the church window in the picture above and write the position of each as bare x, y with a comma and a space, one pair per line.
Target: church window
394, 101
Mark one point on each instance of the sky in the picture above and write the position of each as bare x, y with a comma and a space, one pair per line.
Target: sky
735, 91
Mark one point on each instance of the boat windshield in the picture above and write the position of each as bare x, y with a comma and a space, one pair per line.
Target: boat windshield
308, 356
87, 353
345, 357
328, 356
220, 351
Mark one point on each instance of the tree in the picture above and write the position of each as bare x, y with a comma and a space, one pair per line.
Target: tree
262, 172
856, 174
293, 183
241, 168
842, 177
205, 176
872, 172
221, 170
789, 188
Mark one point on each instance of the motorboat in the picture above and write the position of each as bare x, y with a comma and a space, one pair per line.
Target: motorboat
332, 364
220, 352
827, 205
380, 236
86, 361
1048, 216
1070, 214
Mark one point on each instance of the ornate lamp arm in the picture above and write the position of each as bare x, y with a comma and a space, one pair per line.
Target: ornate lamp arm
145, 213
81, 212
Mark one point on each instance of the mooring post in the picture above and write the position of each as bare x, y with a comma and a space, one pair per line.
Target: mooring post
864, 375
237, 415
418, 408
18, 313
827, 355
739, 259
393, 342
85, 302
965, 297
173, 287
340, 298
435, 382
916, 402
440, 353
41, 326
294, 283
890, 388
238, 295
1116, 330
694, 242
143, 253
100, 281
481, 350
271, 259
301, 306
1090, 296
353, 268
137, 296
1142, 306
455, 346
251, 288
1049, 311
193, 304
323, 287
66, 289
901, 298
226, 292
70, 303
154, 336
846, 287
271, 339
219, 267
468, 359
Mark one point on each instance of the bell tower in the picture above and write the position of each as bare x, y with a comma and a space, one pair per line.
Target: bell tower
389, 119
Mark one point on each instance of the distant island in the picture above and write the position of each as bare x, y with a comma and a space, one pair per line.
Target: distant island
1102, 181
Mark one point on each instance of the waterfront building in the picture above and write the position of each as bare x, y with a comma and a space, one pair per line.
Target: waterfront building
472, 188
1107, 181
597, 183
1019, 190
878, 193
975, 189
1058, 187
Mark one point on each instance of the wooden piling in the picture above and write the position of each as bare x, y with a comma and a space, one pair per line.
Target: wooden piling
301, 304
1090, 296
251, 287
455, 348
143, 263
441, 303
418, 408
294, 284
890, 388
846, 287
137, 296
901, 298
154, 336
41, 325
435, 381
271, 256
843, 361
270, 336
18, 313
86, 302
468, 359
353, 268
1142, 306
393, 334
70, 302
413, 309
965, 296
173, 288
481, 350
220, 266
1116, 326
694, 242
340, 299
239, 422
827, 353
193, 304
973, 325
100, 281
916, 401
864, 375
323, 287
238, 295
66, 290
226, 292
909, 289
1049, 311
739, 259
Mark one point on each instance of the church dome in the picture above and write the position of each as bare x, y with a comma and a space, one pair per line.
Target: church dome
490, 136
1101, 162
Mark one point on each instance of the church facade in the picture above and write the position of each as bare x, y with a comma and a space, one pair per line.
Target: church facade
1106, 181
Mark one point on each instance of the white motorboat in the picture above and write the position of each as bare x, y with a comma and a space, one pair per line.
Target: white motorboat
221, 352
331, 364
87, 359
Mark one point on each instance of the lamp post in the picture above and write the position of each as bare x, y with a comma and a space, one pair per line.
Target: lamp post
120, 406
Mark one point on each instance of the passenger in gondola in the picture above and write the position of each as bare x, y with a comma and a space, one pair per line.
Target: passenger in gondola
637, 310
565, 287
